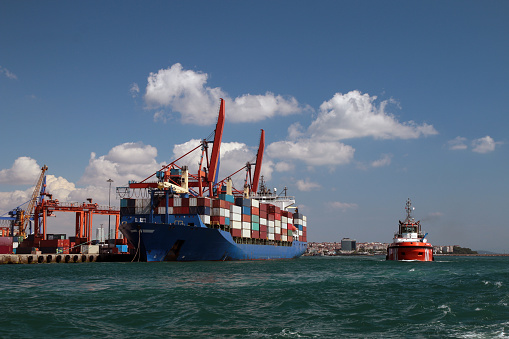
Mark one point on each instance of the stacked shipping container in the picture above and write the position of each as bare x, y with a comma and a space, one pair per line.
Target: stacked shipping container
244, 218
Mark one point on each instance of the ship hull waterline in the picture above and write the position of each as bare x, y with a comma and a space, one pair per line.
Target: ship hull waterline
411, 251
172, 242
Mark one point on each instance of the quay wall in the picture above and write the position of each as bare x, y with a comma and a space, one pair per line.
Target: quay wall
62, 258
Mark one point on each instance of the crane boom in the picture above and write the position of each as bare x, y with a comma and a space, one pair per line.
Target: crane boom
258, 166
218, 135
31, 204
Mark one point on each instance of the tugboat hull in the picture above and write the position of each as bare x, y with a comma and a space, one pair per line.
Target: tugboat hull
411, 251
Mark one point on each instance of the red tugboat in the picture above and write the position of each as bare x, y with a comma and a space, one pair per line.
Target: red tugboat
409, 243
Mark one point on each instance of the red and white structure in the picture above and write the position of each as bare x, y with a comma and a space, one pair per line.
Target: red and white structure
409, 243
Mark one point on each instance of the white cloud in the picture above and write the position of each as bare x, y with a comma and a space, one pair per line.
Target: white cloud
128, 161
185, 92
24, 171
343, 205
307, 185
484, 145
284, 167
458, 143
385, 160
134, 90
7, 73
354, 115
312, 152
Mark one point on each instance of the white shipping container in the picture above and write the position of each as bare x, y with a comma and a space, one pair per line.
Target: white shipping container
263, 221
271, 223
304, 218
205, 219
224, 212
255, 203
236, 217
277, 223
277, 230
246, 233
304, 223
246, 225
271, 229
284, 237
193, 202
90, 249
177, 202
297, 221
270, 236
284, 219
236, 209
236, 224
162, 210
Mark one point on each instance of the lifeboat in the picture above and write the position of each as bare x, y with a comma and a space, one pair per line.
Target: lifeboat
409, 244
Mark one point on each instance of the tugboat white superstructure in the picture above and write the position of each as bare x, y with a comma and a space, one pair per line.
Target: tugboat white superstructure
409, 243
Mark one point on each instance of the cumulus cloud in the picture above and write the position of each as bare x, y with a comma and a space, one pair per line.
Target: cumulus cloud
354, 115
307, 185
345, 116
186, 92
343, 205
458, 143
483, 145
312, 152
128, 161
8, 73
385, 160
24, 170
284, 167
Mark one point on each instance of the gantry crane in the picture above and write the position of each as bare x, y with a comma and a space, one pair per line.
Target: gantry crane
23, 216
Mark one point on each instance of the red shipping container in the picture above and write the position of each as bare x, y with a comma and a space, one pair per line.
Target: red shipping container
185, 202
277, 216
204, 202
263, 214
284, 231
263, 228
274, 209
5, 241
235, 232
263, 208
255, 211
246, 218
277, 236
263, 235
271, 217
6, 249
122, 241
217, 203
255, 234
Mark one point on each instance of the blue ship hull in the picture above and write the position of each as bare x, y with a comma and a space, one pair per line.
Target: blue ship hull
183, 242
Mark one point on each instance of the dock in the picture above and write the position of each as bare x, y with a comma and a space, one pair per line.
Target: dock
6, 259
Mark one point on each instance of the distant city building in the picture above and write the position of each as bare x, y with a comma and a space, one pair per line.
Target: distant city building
348, 244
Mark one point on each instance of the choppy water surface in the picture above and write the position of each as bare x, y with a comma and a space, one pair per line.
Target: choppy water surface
307, 297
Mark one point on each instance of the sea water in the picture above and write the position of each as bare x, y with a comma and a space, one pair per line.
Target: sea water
302, 298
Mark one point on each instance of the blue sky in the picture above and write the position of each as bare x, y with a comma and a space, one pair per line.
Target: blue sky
364, 104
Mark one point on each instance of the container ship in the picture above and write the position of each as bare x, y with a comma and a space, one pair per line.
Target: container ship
409, 243
174, 215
